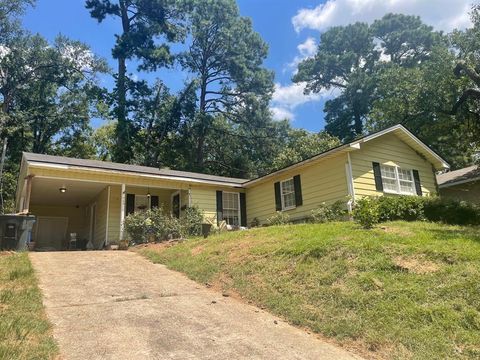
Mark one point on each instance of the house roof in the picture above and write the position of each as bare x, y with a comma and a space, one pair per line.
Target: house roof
461, 176
402, 132
32, 158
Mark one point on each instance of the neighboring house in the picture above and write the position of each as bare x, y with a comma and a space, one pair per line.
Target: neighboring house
92, 198
463, 184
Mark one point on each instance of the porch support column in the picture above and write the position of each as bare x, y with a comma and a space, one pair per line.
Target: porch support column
122, 212
108, 215
28, 192
350, 184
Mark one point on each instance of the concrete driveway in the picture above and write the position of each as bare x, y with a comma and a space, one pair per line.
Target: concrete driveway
117, 305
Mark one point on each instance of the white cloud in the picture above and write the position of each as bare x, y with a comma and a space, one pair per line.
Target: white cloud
441, 14
279, 113
305, 50
287, 98
308, 47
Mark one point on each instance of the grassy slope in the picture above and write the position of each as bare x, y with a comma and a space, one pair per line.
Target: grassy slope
24, 329
406, 290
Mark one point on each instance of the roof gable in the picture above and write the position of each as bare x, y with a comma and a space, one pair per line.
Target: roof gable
399, 130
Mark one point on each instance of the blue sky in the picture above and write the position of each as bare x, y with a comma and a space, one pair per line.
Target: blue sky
290, 27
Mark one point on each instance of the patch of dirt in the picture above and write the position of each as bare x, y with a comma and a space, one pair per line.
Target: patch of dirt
396, 231
6, 253
240, 251
156, 246
416, 265
197, 250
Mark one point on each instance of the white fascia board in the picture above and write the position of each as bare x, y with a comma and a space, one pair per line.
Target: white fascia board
402, 128
148, 176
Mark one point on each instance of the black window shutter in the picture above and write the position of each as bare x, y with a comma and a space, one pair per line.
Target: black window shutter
243, 210
418, 185
219, 207
378, 176
153, 201
130, 208
278, 197
297, 184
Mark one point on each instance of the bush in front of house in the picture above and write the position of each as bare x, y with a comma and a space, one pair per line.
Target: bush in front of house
192, 221
408, 208
157, 225
366, 212
370, 211
280, 218
452, 212
325, 213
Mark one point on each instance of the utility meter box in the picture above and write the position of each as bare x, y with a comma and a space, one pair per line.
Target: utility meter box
15, 231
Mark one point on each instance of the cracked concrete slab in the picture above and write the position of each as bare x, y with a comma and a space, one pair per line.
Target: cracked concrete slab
117, 305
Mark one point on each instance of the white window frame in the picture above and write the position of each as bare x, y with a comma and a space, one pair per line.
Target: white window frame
398, 180
294, 206
239, 213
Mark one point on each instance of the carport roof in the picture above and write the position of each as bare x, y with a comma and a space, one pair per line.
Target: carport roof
105, 165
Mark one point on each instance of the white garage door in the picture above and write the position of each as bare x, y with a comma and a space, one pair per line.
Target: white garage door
51, 232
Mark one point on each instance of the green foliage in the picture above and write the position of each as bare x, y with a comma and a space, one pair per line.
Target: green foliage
409, 208
24, 328
452, 212
366, 212
280, 218
329, 212
225, 56
300, 144
192, 220
344, 59
398, 292
370, 211
155, 224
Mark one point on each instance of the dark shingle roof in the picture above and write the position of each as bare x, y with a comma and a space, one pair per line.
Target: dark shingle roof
467, 174
105, 165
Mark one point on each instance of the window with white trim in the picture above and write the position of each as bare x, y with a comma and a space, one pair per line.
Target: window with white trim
231, 208
397, 180
287, 190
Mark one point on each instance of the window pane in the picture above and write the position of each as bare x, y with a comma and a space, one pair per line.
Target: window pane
230, 201
389, 184
230, 208
288, 194
289, 200
405, 174
407, 187
388, 172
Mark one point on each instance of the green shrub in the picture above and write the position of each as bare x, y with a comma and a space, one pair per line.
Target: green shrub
159, 225
409, 208
192, 221
369, 211
366, 212
325, 213
138, 227
452, 212
280, 218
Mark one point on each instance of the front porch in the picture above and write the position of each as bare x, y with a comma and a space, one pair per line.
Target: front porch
93, 210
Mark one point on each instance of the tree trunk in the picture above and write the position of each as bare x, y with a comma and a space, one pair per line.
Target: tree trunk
199, 161
122, 153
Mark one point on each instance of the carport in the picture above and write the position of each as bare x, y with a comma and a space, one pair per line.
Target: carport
90, 199
65, 207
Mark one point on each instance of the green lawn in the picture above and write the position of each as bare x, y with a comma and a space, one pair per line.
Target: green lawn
25, 333
400, 291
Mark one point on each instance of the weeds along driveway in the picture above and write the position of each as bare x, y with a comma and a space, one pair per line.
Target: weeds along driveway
117, 305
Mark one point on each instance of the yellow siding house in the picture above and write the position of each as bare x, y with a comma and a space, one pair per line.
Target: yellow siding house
91, 198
